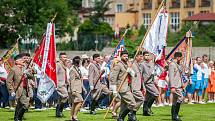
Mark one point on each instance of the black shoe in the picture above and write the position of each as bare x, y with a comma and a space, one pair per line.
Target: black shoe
73, 119
176, 119
16, 119
123, 114
93, 112
93, 107
150, 111
132, 116
146, 113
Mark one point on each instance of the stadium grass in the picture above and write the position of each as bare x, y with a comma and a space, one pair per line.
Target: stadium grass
197, 112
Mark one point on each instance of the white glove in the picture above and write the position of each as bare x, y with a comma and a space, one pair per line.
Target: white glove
91, 87
131, 72
113, 88
13, 94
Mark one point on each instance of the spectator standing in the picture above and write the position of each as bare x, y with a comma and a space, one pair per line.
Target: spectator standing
3, 88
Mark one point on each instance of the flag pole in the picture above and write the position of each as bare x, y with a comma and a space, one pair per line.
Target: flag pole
30, 63
120, 86
195, 23
103, 71
119, 43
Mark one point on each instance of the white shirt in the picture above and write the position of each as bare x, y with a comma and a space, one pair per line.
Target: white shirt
206, 70
105, 68
3, 72
199, 72
84, 72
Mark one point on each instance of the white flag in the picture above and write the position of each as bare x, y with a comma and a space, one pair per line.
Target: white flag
155, 40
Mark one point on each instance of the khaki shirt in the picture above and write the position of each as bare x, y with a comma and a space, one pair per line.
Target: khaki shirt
118, 76
61, 77
75, 80
175, 75
148, 71
14, 78
94, 73
137, 83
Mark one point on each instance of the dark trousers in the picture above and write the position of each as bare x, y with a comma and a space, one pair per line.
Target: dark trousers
38, 103
4, 95
87, 87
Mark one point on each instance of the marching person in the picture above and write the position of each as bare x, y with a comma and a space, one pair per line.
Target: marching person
62, 81
148, 79
176, 85
76, 87
117, 101
137, 83
120, 72
26, 58
15, 81
98, 89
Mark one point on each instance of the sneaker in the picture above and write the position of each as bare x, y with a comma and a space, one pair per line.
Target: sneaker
83, 110
160, 105
210, 101
38, 109
11, 108
52, 108
68, 108
190, 103
170, 104
201, 102
165, 103
7, 107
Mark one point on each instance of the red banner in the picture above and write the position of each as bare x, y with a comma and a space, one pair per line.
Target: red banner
45, 59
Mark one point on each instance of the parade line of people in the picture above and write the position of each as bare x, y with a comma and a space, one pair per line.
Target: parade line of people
90, 83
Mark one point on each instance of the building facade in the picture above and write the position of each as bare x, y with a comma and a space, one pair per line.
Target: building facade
141, 12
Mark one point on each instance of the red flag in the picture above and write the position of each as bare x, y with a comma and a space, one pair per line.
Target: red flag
45, 60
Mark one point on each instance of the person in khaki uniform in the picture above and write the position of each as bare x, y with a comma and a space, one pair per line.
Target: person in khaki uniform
176, 85
26, 58
117, 101
137, 84
98, 89
22, 93
152, 92
61, 87
75, 88
128, 104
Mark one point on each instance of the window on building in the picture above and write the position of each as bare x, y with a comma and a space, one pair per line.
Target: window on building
190, 13
204, 11
147, 19
119, 8
175, 21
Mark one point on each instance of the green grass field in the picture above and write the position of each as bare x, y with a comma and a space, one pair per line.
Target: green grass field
188, 113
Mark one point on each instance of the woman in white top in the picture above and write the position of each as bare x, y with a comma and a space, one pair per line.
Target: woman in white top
84, 72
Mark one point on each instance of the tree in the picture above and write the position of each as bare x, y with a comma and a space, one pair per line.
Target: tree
88, 33
98, 11
23, 17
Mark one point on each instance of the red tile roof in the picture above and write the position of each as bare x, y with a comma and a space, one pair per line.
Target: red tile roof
201, 17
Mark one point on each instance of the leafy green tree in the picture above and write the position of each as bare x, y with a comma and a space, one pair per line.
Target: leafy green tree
23, 17
99, 9
88, 33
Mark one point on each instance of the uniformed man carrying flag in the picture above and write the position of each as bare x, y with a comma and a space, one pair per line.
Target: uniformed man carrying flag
128, 103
